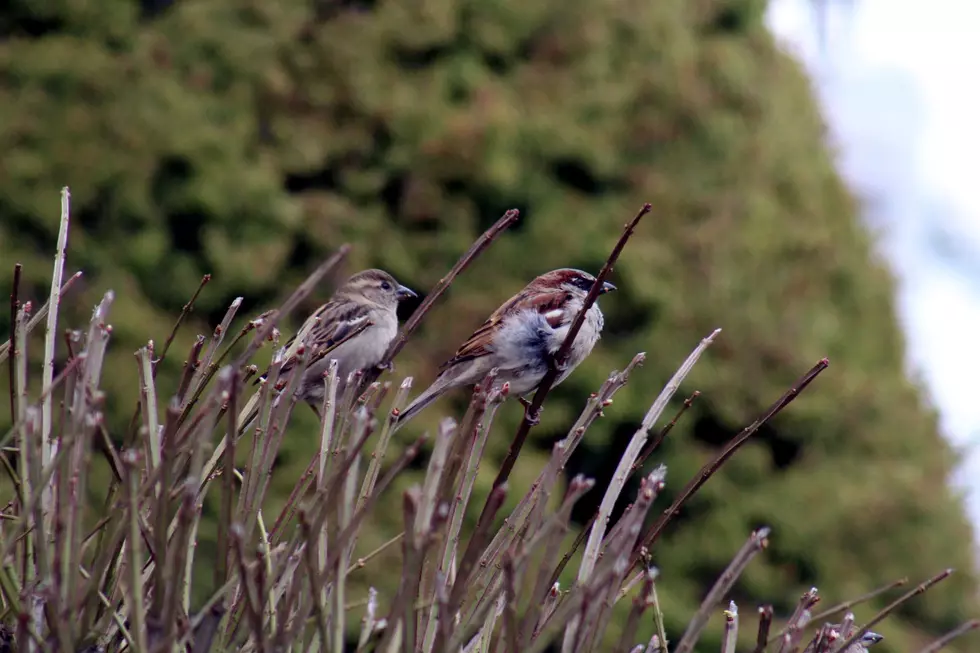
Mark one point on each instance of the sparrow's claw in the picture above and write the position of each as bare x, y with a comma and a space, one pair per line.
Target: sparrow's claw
560, 366
531, 418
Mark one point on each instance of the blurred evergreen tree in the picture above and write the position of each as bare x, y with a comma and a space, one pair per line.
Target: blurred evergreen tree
247, 139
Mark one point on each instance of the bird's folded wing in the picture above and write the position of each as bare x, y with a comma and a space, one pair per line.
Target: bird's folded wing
549, 304
330, 324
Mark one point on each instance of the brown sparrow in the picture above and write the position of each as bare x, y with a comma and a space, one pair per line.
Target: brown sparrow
520, 337
368, 296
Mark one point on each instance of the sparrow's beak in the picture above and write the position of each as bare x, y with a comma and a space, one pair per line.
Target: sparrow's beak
870, 638
405, 293
606, 287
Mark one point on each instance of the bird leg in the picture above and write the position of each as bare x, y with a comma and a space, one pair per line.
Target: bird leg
532, 419
558, 366
387, 367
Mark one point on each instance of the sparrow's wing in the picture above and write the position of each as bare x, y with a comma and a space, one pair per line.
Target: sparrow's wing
328, 325
549, 304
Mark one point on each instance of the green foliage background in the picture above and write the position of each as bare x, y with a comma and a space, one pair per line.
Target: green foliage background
248, 139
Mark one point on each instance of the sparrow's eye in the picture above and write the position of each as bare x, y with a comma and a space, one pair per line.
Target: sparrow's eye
385, 285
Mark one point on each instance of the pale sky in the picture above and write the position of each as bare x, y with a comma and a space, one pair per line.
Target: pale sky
899, 84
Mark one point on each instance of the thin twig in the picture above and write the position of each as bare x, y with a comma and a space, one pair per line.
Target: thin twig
756, 543
136, 613
40, 315
845, 629
70, 367
824, 638
202, 376
302, 291
377, 457
223, 563
402, 609
184, 312
658, 621
731, 629
937, 645
312, 570
798, 620
597, 401
191, 364
345, 510
641, 602
300, 488
477, 542
148, 399
19, 389
481, 243
712, 466
48, 448
891, 607
188, 307
363, 560
765, 623
456, 488
617, 548
625, 466
14, 309
510, 605
252, 599
662, 435
167, 455
641, 459
846, 605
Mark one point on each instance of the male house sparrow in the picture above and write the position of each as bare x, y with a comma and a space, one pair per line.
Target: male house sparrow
519, 338
368, 296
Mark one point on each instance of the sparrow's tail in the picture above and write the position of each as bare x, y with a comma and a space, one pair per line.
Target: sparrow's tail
430, 394
248, 422
248, 416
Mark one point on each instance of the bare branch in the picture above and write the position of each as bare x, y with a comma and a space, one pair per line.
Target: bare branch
731, 629
765, 623
940, 643
734, 445
847, 605
891, 607
413, 322
755, 544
